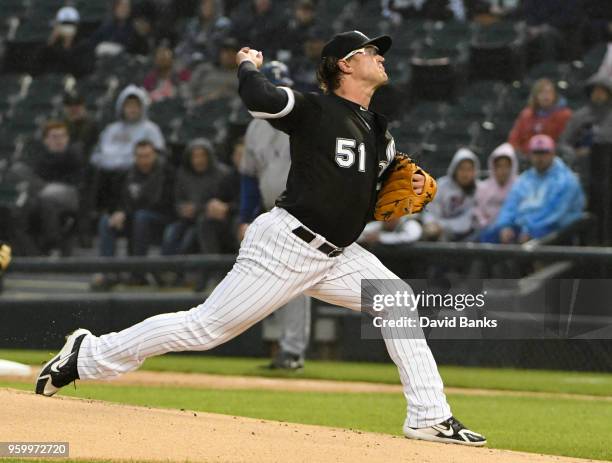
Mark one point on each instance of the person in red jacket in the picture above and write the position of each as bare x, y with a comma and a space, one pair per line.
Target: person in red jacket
546, 113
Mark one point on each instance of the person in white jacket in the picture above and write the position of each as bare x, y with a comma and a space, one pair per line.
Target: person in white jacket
450, 216
114, 154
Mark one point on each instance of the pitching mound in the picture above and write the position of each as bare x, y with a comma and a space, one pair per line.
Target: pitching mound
97, 430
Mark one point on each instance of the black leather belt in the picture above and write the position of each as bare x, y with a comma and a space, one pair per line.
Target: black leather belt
326, 248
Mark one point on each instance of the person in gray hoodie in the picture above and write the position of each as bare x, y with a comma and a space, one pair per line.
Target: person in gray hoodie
589, 133
450, 216
591, 124
198, 181
114, 154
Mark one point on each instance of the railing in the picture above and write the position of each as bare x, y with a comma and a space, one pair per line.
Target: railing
547, 253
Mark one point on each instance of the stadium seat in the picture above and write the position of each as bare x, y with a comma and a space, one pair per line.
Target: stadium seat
433, 79
497, 52
167, 113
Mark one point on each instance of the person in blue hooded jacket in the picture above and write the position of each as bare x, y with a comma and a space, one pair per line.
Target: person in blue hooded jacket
545, 198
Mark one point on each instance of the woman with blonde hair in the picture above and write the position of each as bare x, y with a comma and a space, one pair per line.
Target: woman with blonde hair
546, 113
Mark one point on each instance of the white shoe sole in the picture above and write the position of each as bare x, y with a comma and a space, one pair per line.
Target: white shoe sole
415, 434
49, 388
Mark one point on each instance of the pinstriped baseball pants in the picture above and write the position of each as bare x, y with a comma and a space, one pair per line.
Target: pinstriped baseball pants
273, 266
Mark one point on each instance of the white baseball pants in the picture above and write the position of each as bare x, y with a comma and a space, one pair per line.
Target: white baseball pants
273, 266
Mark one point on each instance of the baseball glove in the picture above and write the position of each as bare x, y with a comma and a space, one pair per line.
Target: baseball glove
396, 196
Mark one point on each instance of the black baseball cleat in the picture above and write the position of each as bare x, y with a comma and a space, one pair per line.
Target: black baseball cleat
450, 431
287, 361
61, 369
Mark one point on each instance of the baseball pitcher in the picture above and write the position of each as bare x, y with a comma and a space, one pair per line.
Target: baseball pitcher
340, 152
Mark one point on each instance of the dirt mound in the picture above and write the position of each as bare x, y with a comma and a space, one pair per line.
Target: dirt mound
98, 430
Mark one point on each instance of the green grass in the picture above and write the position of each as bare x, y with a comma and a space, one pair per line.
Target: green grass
465, 377
519, 423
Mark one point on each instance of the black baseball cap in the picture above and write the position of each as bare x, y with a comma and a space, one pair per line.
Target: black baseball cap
344, 43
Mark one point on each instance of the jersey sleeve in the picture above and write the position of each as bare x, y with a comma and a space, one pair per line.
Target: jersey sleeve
283, 107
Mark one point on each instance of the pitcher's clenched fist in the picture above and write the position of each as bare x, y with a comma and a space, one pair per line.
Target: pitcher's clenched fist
249, 54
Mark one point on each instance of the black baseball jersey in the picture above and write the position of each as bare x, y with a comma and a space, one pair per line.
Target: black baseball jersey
338, 151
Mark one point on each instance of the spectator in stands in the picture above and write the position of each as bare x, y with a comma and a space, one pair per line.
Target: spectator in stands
114, 154
203, 34
144, 210
554, 28
165, 81
545, 113
544, 199
197, 183
492, 192
84, 134
54, 174
212, 81
437, 10
587, 132
218, 223
400, 230
450, 216
121, 32
304, 66
65, 52
260, 24
83, 129
147, 31
300, 26
593, 122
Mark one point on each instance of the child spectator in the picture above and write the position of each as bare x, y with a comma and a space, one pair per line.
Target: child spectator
545, 113
450, 216
545, 198
492, 192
